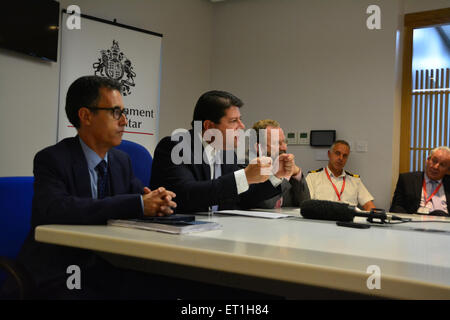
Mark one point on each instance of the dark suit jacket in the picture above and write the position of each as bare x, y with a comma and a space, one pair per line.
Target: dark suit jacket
409, 190
62, 195
192, 183
293, 191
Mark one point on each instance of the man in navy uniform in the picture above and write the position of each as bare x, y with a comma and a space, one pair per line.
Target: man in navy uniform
333, 183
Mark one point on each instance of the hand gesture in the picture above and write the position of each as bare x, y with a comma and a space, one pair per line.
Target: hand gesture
286, 165
158, 202
259, 170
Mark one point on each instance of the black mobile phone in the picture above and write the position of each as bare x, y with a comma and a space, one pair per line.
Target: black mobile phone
353, 225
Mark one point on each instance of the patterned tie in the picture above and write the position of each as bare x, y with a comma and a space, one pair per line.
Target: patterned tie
279, 203
102, 182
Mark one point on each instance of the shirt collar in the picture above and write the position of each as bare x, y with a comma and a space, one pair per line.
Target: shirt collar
428, 180
92, 158
209, 150
331, 173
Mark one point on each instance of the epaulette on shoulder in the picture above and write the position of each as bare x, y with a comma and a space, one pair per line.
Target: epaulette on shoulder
315, 171
353, 175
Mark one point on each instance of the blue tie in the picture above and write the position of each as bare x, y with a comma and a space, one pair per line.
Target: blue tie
102, 182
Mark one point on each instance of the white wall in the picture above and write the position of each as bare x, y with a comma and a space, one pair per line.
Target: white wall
315, 65
29, 87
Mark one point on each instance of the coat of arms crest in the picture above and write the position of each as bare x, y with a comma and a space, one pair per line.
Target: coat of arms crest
115, 65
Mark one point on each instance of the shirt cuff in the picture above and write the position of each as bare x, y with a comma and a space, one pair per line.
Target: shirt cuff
275, 181
241, 181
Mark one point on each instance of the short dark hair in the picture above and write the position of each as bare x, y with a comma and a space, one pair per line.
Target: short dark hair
84, 92
212, 105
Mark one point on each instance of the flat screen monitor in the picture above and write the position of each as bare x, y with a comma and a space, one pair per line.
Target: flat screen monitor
322, 138
30, 27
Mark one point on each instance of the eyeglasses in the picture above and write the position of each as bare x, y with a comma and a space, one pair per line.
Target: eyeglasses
116, 111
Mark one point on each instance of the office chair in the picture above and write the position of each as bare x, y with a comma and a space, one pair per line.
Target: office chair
141, 160
16, 194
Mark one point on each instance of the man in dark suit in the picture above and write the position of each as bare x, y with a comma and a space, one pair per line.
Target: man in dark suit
202, 169
425, 192
84, 180
272, 141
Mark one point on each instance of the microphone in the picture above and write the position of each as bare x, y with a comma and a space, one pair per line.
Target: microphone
326, 210
440, 213
335, 211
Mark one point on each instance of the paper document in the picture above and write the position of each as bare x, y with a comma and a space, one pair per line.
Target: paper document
258, 214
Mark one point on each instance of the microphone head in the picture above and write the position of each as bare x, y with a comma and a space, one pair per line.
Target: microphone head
326, 210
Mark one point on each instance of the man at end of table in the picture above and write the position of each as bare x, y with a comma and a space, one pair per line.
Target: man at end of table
428, 191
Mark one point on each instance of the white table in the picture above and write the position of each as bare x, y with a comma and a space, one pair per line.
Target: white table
293, 251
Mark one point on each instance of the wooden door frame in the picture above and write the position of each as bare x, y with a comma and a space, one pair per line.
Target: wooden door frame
411, 22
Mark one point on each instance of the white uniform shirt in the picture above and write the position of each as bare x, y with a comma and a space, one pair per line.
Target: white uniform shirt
320, 188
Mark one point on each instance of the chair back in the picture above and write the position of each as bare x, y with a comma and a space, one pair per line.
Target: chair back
16, 195
141, 160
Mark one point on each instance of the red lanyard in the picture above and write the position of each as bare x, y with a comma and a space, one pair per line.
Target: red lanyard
425, 191
335, 189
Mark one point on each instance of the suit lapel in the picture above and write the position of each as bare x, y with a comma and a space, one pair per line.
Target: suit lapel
285, 187
446, 183
418, 186
80, 170
201, 169
229, 167
115, 180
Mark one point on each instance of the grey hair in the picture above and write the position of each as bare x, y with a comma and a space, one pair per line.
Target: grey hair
442, 148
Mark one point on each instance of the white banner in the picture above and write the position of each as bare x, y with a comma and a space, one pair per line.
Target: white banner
128, 55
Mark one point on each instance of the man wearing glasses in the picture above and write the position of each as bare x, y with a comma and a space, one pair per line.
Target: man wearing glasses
425, 192
84, 180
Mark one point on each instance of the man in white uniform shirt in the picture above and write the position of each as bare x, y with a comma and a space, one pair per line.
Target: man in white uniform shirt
333, 183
